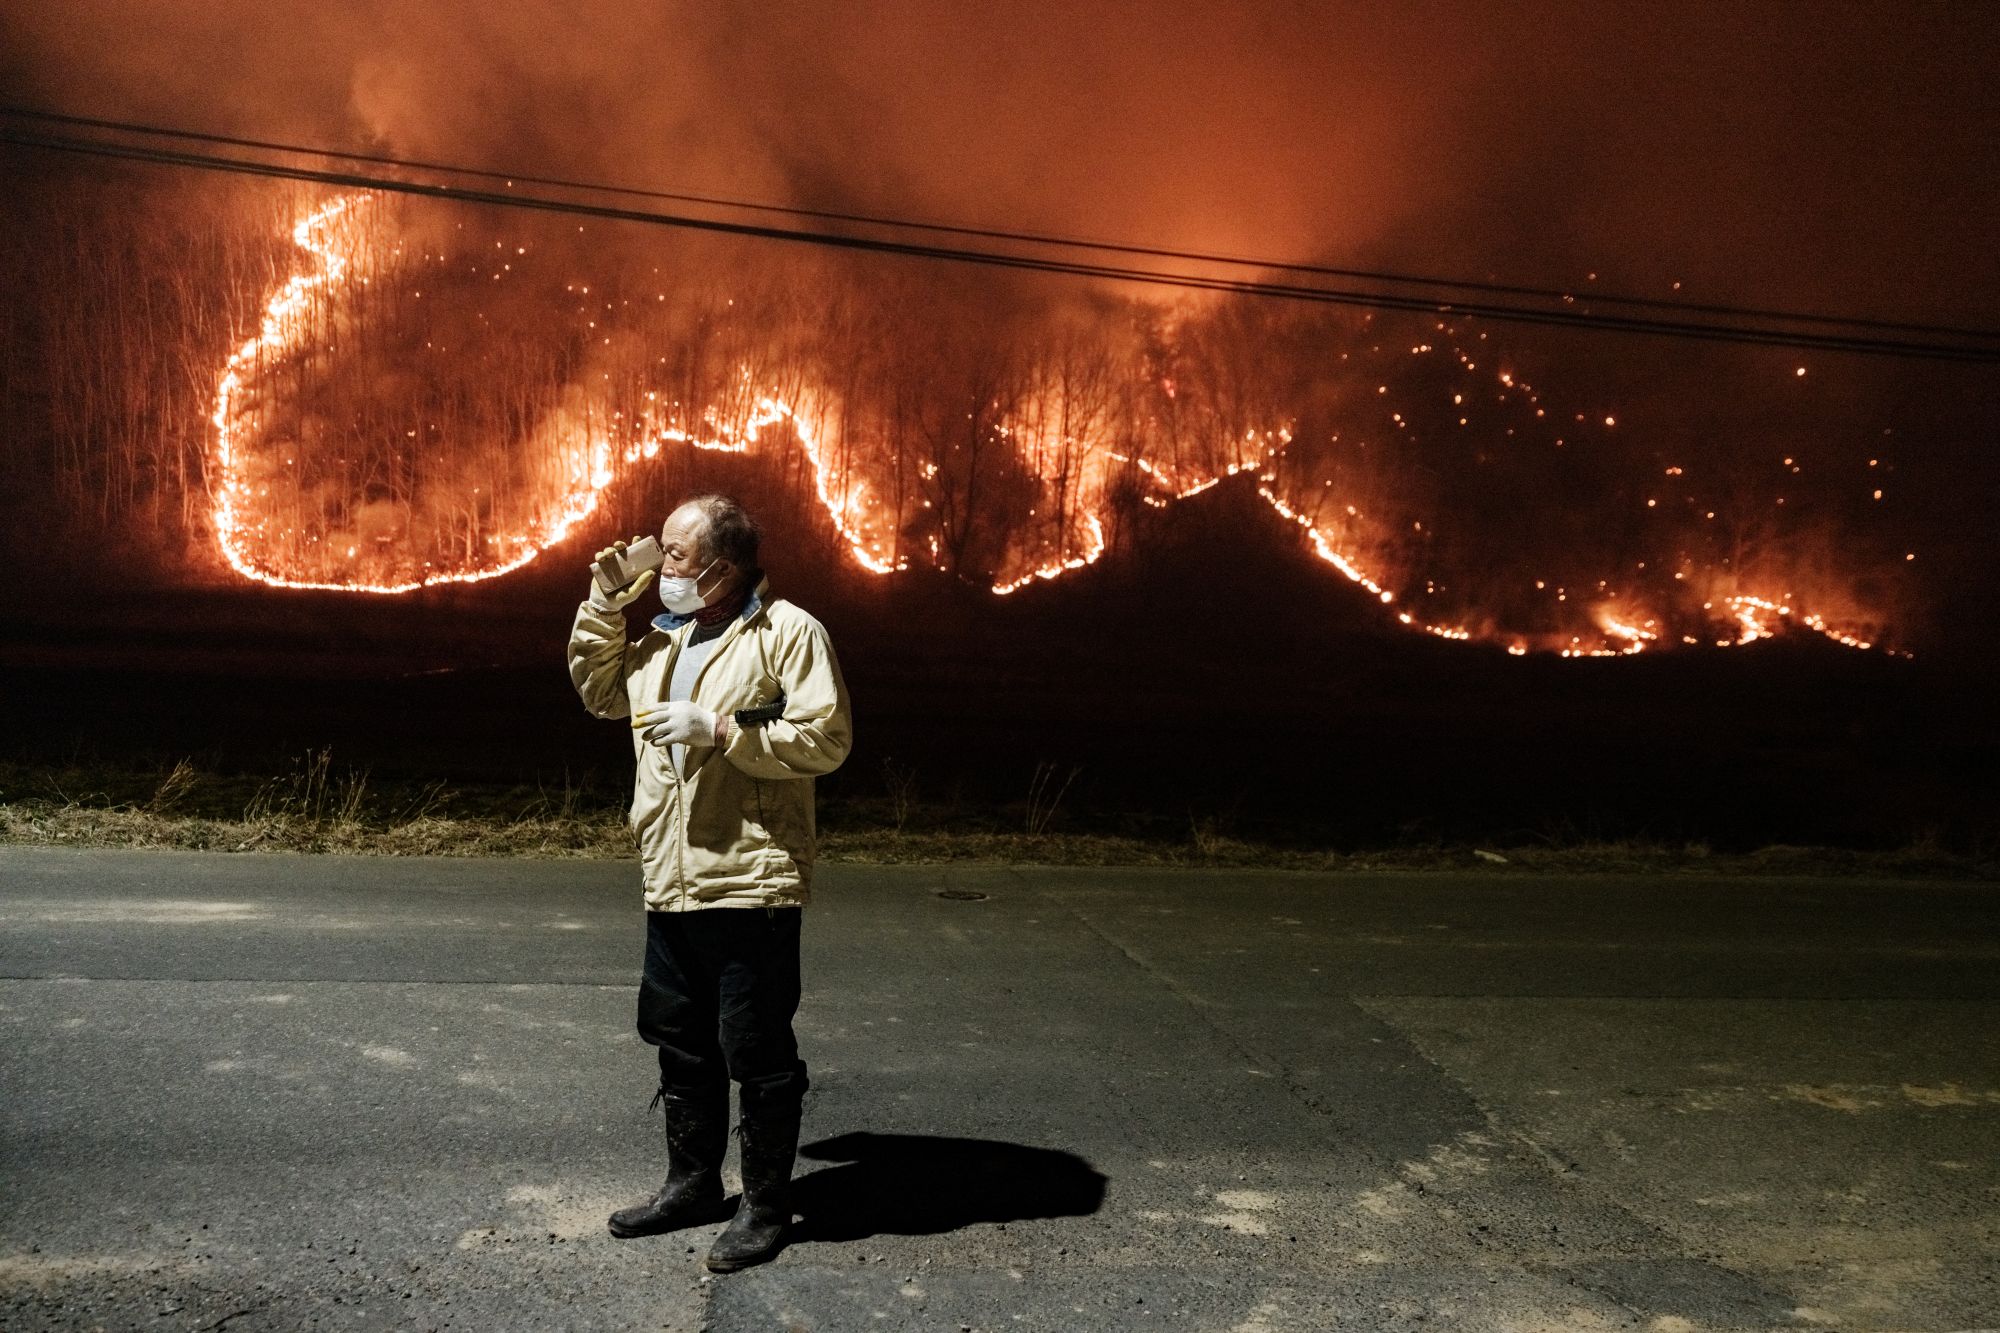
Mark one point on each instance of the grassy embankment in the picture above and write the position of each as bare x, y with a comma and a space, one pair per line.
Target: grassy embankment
317, 807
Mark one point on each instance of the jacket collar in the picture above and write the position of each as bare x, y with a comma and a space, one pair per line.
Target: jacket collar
670, 621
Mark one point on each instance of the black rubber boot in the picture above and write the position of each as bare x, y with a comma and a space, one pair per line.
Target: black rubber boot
697, 1138
757, 1232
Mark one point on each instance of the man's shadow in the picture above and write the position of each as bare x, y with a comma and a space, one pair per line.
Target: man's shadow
922, 1184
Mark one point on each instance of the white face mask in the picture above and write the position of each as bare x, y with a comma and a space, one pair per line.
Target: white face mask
678, 594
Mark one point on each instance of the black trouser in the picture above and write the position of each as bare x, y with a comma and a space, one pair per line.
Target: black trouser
717, 997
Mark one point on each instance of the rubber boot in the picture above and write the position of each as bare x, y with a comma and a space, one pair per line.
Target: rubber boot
757, 1232
697, 1138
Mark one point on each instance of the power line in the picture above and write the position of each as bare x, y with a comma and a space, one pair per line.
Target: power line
993, 234
1585, 319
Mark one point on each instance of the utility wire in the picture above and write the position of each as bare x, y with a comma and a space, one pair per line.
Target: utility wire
1026, 238
1745, 333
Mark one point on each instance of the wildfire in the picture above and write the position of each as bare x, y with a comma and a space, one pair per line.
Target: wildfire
327, 235
595, 443
1324, 549
850, 512
1636, 637
1056, 569
1752, 613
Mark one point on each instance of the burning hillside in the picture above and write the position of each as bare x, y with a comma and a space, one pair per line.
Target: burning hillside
430, 400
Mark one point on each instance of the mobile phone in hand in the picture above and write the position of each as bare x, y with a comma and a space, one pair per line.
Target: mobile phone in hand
618, 568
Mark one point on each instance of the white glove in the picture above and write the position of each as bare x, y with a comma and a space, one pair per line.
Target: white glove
611, 602
678, 723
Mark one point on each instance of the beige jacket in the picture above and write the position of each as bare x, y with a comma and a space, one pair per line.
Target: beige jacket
736, 829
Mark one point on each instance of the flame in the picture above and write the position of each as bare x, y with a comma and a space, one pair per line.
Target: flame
1057, 568
302, 315
329, 238
1752, 612
850, 512
1636, 637
1325, 550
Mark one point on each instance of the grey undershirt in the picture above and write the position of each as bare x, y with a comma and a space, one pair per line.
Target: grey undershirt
699, 647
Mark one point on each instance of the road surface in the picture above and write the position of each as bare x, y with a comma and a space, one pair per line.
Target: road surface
270, 1092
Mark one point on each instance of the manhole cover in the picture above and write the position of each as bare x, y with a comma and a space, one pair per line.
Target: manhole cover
961, 895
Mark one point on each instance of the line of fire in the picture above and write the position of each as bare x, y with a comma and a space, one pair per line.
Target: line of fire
435, 394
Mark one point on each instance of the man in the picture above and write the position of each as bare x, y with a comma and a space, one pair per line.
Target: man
737, 705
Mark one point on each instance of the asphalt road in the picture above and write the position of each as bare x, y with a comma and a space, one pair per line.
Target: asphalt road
263, 1092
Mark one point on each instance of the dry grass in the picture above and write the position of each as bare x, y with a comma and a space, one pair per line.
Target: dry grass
318, 807
315, 807
1208, 851
50, 824
605, 836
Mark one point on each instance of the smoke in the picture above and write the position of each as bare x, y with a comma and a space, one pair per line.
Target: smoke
1834, 158
1763, 153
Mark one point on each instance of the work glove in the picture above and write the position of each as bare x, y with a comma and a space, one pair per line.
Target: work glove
679, 723
613, 602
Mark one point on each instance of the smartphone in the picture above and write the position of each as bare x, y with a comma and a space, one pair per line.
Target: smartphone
617, 569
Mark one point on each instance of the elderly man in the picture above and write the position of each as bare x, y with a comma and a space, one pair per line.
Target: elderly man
737, 705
